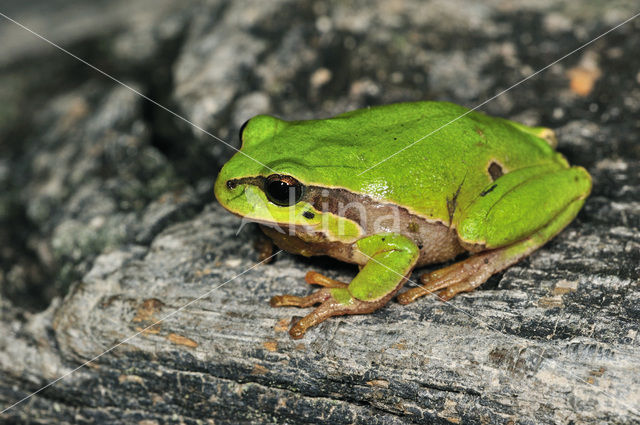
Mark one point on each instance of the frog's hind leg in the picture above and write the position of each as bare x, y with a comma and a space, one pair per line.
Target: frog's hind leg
391, 259
469, 274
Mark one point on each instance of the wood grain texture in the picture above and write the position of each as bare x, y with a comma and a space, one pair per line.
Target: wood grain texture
554, 339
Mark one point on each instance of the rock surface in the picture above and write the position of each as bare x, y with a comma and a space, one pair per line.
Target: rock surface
108, 223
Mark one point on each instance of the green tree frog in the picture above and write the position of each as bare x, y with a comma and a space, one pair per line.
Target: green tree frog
357, 188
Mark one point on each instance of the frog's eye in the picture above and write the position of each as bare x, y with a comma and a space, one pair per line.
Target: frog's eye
283, 190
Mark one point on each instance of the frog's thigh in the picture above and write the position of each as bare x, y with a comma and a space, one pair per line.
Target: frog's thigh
519, 203
472, 272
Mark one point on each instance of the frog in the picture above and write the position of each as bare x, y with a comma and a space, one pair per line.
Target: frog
368, 187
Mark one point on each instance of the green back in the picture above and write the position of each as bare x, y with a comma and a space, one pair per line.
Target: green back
333, 152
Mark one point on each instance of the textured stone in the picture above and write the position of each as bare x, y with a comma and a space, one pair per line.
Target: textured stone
107, 213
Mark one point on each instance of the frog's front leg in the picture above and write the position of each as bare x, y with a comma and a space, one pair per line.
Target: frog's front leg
518, 214
391, 259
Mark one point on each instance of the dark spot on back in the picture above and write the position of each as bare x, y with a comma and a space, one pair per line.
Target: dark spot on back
495, 171
308, 214
484, 192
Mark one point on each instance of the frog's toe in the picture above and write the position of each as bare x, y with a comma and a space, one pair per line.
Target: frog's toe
327, 309
464, 285
312, 278
315, 278
295, 301
333, 306
431, 284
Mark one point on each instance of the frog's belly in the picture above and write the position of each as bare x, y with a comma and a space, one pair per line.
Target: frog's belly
437, 242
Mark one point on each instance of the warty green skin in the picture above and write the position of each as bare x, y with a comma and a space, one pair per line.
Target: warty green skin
333, 152
445, 178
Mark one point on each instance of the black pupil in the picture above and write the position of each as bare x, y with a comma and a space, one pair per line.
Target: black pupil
283, 193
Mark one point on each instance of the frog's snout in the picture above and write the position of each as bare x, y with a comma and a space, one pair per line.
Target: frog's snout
228, 190
222, 188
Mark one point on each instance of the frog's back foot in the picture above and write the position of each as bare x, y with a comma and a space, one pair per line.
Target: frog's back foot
544, 133
547, 134
468, 274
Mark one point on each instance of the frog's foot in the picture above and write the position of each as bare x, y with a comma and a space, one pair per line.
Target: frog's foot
312, 278
459, 277
391, 259
315, 278
333, 302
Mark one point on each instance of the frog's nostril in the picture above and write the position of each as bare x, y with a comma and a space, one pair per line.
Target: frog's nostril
232, 184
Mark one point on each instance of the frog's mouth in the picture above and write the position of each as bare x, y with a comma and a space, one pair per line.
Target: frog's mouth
311, 228
309, 233
285, 226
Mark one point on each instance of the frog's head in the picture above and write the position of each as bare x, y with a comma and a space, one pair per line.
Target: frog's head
268, 182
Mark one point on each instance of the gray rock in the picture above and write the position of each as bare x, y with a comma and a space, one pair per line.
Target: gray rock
103, 213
